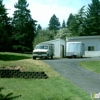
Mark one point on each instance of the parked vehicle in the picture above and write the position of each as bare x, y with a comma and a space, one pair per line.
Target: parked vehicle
75, 49
43, 51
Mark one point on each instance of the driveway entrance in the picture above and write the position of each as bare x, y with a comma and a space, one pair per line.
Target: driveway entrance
69, 68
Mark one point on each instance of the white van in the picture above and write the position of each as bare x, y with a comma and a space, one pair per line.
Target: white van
43, 51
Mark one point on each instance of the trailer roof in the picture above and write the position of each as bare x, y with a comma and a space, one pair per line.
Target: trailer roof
82, 37
74, 42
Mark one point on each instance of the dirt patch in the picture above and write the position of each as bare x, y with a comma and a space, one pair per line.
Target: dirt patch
13, 68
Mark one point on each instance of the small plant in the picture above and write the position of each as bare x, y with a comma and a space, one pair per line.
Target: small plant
8, 96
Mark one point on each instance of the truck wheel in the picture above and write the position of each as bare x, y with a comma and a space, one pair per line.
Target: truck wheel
40, 57
74, 56
47, 56
34, 57
81, 56
52, 57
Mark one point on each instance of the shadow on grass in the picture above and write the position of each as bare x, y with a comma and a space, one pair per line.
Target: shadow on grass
10, 57
48, 58
8, 96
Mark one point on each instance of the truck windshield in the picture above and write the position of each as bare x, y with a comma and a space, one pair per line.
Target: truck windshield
41, 47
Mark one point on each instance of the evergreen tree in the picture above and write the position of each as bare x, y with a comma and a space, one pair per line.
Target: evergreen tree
76, 23
93, 18
72, 24
81, 21
5, 29
39, 28
70, 18
63, 24
54, 23
24, 27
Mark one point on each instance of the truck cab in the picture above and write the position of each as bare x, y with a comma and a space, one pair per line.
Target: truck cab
43, 51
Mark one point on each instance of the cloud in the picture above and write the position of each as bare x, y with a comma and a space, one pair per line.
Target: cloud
42, 10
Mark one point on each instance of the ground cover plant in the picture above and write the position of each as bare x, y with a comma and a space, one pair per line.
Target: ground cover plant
54, 87
8, 96
91, 65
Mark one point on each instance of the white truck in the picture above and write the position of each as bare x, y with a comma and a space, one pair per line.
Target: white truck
75, 49
43, 50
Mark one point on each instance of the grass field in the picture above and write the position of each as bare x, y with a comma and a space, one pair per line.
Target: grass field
91, 65
53, 88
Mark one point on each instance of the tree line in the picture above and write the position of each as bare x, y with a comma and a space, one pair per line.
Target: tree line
85, 23
18, 32
21, 33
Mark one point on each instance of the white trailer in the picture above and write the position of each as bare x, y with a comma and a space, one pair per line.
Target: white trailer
75, 49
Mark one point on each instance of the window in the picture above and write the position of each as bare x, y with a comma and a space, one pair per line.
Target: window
90, 48
41, 47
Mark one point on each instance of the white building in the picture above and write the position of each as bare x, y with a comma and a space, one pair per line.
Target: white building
92, 44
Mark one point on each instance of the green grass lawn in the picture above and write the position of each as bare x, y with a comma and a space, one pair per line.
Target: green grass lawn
91, 65
13, 56
53, 88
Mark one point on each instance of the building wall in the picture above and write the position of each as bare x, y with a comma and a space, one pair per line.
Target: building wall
89, 42
60, 45
56, 48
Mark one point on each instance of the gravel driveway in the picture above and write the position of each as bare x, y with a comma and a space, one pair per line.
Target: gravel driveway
68, 68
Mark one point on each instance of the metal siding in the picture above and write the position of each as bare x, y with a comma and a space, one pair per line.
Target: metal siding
89, 42
57, 49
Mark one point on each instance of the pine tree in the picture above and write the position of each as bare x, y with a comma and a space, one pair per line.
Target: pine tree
24, 27
63, 24
54, 23
72, 24
93, 18
81, 21
76, 23
5, 29
38, 28
70, 18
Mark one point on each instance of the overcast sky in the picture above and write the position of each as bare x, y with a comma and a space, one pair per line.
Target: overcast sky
42, 10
